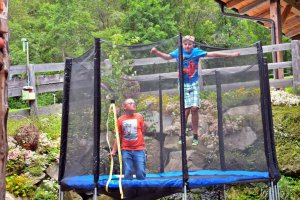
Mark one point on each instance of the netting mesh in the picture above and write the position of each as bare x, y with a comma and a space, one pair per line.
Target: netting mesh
81, 113
230, 125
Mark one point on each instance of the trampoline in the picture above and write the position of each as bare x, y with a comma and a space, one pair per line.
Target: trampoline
236, 139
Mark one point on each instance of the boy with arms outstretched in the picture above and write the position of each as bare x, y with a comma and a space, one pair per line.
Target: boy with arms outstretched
191, 57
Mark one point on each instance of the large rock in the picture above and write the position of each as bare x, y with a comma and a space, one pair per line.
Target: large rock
35, 179
153, 155
52, 171
9, 196
152, 121
12, 143
171, 142
175, 161
70, 195
244, 110
240, 140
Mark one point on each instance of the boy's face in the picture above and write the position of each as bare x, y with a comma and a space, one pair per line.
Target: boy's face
129, 105
188, 46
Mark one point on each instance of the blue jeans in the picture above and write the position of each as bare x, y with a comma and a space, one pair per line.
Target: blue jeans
134, 159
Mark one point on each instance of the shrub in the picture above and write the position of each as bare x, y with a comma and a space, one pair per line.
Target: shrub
16, 160
44, 99
47, 190
49, 98
20, 186
28, 137
281, 97
289, 188
36, 163
51, 125
286, 123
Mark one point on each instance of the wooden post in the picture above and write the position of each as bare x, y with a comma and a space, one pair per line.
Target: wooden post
275, 15
4, 68
200, 80
32, 81
296, 65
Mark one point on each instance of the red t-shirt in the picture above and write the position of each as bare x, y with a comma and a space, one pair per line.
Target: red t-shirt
131, 130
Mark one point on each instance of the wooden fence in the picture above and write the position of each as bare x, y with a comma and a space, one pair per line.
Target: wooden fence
51, 83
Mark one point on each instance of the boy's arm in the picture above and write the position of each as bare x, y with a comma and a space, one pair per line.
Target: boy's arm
115, 148
220, 54
143, 126
160, 54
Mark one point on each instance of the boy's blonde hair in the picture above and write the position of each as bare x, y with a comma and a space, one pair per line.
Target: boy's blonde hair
188, 38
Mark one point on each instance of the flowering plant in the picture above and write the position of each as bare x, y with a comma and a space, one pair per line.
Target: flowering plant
281, 97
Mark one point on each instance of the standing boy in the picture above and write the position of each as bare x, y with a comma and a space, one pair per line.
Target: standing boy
131, 129
191, 56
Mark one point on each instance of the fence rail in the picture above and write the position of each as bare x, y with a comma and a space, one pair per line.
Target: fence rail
51, 83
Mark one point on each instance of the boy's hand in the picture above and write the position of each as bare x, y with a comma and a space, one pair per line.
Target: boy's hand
235, 54
112, 154
154, 50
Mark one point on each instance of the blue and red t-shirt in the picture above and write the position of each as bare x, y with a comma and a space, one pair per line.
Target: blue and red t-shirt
190, 63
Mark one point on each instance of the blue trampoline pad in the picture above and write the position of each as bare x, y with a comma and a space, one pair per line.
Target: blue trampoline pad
200, 178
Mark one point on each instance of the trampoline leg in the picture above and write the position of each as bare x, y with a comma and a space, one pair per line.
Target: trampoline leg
224, 192
60, 194
95, 196
272, 195
277, 192
184, 193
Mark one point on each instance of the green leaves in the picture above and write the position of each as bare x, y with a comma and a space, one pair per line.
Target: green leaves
149, 20
56, 29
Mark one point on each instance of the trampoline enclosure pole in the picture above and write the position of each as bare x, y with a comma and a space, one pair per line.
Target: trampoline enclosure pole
161, 136
182, 113
97, 111
65, 119
220, 120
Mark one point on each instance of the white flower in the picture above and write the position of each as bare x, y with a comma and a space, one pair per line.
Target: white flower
281, 97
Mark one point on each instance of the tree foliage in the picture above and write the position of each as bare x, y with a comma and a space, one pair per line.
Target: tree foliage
56, 29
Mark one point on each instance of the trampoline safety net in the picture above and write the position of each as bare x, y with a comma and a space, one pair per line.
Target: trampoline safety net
236, 142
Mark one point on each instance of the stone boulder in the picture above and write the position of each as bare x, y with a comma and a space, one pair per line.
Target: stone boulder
240, 140
52, 171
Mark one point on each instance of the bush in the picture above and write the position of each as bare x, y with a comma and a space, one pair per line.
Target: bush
281, 97
20, 186
289, 188
44, 99
286, 122
17, 103
47, 190
28, 137
51, 125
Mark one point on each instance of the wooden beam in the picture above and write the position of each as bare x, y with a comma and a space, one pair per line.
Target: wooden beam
1, 6
295, 31
293, 3
253, 6
275, 15
233, 3
296, 37
292, 22
264, 14
291, 26
295, 6
285, 13
296, 64
3, 97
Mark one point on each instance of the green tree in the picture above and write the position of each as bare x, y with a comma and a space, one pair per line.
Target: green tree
149, 20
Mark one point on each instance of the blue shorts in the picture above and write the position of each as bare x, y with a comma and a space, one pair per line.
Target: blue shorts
191, 95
